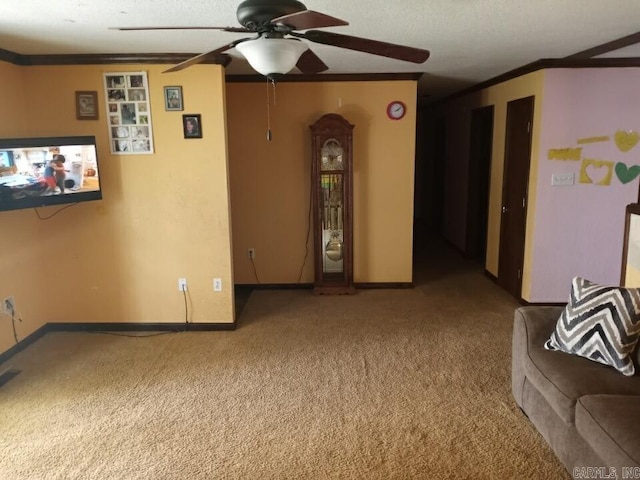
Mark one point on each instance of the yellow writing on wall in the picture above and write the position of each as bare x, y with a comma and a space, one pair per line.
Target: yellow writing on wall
565, 153
603, 138
598, 172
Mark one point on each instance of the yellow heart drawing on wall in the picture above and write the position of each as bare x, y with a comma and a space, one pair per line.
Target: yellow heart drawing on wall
626, 140
596, 171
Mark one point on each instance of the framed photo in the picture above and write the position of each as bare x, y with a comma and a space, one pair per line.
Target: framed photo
129, 113
173, 98
87, 105
192, 125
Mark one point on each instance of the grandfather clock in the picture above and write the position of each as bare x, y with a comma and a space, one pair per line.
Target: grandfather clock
332, 172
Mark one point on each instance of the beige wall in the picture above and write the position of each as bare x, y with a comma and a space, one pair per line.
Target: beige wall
270, 180
459, 118
500, 95
163, 216
166, 215
13, 252
632, 277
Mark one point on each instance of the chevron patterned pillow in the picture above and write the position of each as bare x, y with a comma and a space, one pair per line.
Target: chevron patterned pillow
601, 323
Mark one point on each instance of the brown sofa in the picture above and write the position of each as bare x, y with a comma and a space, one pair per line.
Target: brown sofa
587, 412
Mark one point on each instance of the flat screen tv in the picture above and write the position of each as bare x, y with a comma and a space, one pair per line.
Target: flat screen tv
37, 172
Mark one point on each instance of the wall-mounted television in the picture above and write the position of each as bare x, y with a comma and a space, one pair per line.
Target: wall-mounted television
37, 172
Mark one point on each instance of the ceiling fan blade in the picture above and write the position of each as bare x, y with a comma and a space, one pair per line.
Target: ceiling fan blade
203, 56
310, 63
309, 19
384, 49
225, 29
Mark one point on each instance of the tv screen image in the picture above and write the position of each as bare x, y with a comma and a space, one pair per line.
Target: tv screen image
36, 172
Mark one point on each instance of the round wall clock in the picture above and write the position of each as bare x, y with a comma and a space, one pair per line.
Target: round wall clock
396, 110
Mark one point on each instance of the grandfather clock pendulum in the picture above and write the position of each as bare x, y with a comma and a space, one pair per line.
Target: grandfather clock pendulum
332, 172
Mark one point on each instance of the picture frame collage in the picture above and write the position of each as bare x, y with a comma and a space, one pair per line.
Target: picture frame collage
128, 113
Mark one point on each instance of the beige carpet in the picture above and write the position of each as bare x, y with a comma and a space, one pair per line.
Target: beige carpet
385, 384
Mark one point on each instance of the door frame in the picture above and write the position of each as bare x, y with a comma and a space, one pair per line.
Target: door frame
506, 279
479, 183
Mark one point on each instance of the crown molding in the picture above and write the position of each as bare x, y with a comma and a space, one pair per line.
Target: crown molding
608, 47
545, 63
573, 61
107, 58
12, 57
175, 58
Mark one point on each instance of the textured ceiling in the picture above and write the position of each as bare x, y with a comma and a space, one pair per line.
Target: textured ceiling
470, 40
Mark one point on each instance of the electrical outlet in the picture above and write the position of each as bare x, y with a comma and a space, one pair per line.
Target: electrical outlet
182, 284
217, 284
252, 253
9, 305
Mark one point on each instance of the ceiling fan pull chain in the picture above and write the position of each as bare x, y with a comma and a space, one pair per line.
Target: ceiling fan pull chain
273, 82
269, 136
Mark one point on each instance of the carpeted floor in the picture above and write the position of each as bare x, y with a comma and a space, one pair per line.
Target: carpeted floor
384, 384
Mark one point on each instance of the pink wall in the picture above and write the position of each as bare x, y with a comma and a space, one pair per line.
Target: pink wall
579, 228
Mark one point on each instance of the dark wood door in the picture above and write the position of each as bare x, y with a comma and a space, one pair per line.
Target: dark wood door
514, 194
479, 177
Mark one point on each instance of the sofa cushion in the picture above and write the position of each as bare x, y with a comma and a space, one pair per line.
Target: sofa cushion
601, 323
559, 377
609, 423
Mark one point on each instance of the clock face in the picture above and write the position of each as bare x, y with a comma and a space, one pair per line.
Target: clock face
396, 110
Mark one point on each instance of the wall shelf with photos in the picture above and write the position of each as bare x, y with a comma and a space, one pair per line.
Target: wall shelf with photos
128, 113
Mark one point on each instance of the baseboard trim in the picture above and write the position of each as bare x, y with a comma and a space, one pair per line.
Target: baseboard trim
139, 327
389, 285
113, 327
491, 276
7, 375
521, 300
24, 343
276, 286
542, 304
299, 286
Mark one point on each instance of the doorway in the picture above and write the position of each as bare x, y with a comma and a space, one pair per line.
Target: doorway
514, 194
481, 144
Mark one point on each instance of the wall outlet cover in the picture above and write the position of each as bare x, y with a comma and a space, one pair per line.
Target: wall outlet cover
9, 305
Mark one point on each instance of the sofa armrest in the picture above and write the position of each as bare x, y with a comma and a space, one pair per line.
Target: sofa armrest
531, 326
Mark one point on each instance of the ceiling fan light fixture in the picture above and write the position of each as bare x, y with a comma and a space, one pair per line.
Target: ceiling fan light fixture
269, 56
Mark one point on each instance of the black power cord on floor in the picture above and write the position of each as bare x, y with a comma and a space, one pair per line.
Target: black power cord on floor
116, 334
255, 272
306, 242
186, 311
186, 324
13, 313
12, 316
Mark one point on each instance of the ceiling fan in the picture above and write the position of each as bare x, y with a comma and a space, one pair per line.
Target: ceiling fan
277, 47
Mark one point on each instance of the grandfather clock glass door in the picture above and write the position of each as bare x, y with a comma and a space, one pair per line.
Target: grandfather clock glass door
332, 172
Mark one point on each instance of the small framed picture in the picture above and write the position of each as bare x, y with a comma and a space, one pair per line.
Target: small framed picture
173, 98
87, 105
192, 125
